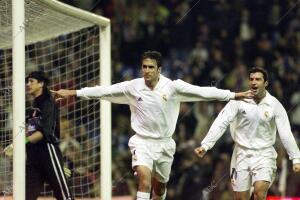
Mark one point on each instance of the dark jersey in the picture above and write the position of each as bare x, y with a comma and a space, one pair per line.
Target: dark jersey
43, 116
44, 161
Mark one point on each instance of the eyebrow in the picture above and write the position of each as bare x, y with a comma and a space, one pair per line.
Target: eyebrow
256, 78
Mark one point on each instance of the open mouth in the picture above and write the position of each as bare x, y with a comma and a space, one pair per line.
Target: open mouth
254, 89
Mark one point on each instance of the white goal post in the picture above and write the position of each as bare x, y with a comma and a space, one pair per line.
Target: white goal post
51, 23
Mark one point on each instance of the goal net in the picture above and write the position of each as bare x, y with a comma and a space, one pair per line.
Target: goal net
67, 45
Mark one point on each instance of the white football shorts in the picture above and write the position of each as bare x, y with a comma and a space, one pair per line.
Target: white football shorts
156, 154
251, 165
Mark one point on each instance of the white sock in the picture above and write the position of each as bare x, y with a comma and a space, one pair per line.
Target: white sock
142, 196
163, 197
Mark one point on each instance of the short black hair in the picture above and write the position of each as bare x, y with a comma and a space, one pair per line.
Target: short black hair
40, 76
261, 70
155, 55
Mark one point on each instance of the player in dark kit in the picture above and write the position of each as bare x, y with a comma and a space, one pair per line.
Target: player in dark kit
44, 161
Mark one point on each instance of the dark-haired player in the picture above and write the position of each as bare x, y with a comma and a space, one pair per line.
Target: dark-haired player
254, 123
44, 162
154, 102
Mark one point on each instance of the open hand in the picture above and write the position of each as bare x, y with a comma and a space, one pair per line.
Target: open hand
244, 95
62, 93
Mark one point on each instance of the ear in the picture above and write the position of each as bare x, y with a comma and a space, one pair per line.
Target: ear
159, 69
266, 83
42, 83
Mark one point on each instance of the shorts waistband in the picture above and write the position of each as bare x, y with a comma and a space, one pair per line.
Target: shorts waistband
254, 151
162, 139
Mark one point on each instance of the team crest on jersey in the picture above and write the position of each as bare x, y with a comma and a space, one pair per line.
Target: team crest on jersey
266, 114
33, 120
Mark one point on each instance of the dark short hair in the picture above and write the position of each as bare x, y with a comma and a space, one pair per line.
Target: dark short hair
155, 55
38, 75
261, 70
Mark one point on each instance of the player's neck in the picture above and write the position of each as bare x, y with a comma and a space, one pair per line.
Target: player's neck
152, 84
260, 97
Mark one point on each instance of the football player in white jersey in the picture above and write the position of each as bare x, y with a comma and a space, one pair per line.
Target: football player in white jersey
253, 126
154, 102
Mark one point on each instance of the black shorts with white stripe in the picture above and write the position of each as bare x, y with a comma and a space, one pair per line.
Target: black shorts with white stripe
45, 164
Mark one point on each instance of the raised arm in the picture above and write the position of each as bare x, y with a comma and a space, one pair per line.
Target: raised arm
286, 135
188, 92
218, 127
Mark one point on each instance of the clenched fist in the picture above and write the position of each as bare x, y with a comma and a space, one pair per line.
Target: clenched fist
200, 151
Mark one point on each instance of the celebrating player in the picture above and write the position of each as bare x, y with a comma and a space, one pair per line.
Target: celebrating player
154, 102
253, 129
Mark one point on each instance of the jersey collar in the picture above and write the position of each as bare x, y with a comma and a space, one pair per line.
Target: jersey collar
158, 85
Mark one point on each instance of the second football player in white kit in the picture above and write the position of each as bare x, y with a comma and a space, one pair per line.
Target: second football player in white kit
253, 126
154, 102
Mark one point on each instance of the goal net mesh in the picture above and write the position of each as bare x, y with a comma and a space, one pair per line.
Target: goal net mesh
67, 49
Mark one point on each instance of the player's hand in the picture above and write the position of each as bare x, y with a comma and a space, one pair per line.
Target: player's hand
62, 93
296, 167
9, 150
200, 151
244, 95
67, 172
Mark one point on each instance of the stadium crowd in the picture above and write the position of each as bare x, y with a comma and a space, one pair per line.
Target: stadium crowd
208, 43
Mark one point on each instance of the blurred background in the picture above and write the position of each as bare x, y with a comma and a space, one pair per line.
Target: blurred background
207, 43
203, 42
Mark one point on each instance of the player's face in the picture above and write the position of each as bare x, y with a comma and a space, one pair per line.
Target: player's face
257, 84
150, 70
34, 87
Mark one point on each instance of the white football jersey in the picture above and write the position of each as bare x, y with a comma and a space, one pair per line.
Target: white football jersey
254, 126
154, 112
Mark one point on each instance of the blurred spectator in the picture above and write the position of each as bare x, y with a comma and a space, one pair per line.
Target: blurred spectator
208, 43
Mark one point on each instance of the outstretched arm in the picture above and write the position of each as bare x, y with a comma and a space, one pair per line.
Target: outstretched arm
117, 93
218, 127
62, 93
188, 92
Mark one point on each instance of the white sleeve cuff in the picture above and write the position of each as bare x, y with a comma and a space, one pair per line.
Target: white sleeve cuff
232, 96
206, 148
78, 93
296, 160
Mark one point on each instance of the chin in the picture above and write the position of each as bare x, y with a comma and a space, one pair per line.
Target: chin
29, 92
